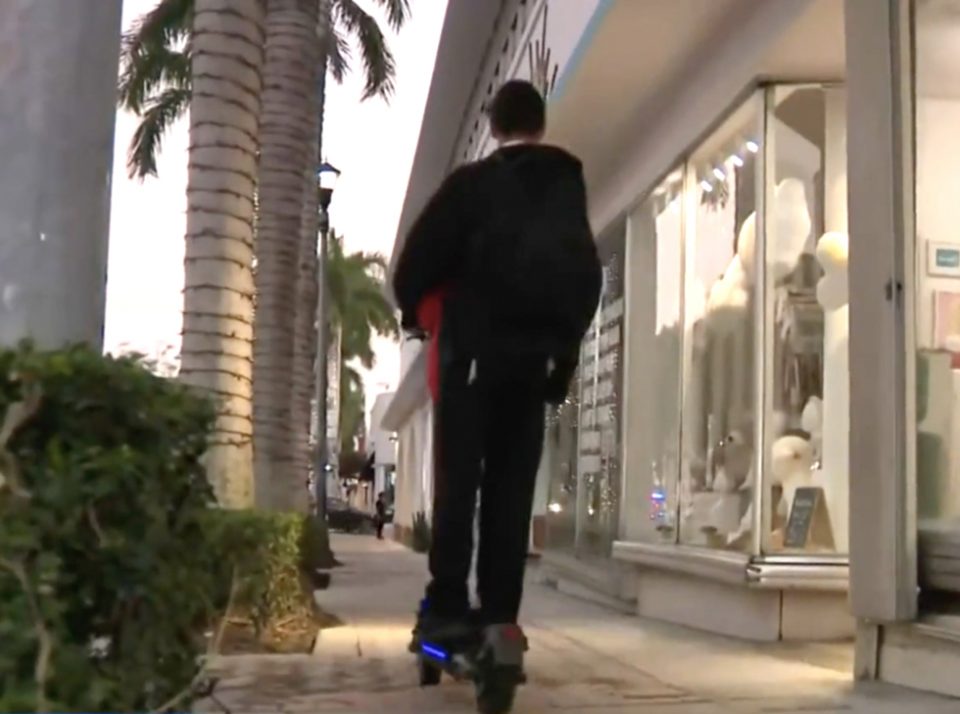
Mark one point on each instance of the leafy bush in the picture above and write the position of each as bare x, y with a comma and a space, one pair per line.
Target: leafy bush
105, 577
422, 534
262, 555
315, 549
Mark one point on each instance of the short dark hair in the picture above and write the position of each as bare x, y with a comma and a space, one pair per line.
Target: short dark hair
518, 109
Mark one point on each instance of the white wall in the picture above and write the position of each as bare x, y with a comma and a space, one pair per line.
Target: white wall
557, 25
381, 440
938, 197
414, 467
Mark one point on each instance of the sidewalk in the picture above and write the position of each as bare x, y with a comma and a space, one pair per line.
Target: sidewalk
583, 659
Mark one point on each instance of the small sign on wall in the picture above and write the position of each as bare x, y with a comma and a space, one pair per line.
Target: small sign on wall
943, 259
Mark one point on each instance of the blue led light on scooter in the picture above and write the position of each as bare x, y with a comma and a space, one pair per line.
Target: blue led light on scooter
435, 652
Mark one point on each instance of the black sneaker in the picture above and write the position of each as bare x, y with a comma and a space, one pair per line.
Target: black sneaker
453, 632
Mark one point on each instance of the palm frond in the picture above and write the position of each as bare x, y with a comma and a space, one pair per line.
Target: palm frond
150, 72
155, 53
368, 260
378, 62
358, 343
169, 22
338, 56
398, 12
159, 115
353, 398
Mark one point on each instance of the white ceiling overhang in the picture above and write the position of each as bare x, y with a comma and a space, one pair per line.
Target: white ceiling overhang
659, 74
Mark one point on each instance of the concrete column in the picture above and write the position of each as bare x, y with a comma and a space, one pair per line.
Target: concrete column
58, 76
883, 527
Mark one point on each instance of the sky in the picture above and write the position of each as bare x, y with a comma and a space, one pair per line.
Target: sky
372, 143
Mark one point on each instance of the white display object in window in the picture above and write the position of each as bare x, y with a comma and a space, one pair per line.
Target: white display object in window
804, 420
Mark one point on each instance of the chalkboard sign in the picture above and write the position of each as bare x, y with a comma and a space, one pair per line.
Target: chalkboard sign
809, 522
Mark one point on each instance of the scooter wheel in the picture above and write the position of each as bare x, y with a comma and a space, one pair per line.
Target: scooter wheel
430, 674
496, 690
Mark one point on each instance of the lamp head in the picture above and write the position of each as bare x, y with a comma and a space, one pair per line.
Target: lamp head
327, 175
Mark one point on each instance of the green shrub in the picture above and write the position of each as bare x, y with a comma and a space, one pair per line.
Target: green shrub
422, 534
315, 546
265, 552
105, 577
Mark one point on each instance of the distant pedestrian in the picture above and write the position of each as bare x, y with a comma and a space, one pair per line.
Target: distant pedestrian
381, 517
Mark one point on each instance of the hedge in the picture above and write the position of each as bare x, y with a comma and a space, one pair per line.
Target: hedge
114, 561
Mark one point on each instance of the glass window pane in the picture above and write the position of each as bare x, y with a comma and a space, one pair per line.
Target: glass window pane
807, 436
937, 47
719, 343
653, 332
560, 453
601, 404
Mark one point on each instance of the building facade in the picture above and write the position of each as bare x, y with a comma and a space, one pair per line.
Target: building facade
383, 450
760, 440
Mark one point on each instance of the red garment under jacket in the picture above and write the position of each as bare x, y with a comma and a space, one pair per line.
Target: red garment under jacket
429, 317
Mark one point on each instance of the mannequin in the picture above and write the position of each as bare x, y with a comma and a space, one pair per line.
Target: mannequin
719, 436
721, 391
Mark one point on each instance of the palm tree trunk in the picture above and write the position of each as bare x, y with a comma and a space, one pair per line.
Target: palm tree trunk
58, 68
217, 352
310, 317
287, 160
305, 329
309, 275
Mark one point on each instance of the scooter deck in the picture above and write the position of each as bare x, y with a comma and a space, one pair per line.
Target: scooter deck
493, 663
460, 665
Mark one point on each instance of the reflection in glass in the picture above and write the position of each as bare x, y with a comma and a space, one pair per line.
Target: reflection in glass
719, 344
807, 432
560, 453
937, 47
655, 266
600, 408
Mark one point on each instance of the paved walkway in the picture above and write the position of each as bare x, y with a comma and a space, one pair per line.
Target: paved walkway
583, 659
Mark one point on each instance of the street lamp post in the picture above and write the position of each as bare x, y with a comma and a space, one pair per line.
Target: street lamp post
326, 181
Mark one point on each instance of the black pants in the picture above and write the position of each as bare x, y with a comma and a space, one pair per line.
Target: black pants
488, 438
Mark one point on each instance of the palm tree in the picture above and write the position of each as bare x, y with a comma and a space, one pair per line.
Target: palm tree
285, 334
156, 83
359, 308
226, 57
353, 398
289, 133
357, 300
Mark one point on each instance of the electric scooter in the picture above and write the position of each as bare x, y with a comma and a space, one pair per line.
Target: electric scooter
492, 658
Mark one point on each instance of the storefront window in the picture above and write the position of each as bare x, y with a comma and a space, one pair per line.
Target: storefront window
654, 359
716, 477
560, 453
937, 48
600, 408
583, 449
806, 482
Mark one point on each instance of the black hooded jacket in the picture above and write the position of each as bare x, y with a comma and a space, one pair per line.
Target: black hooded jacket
475, 202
